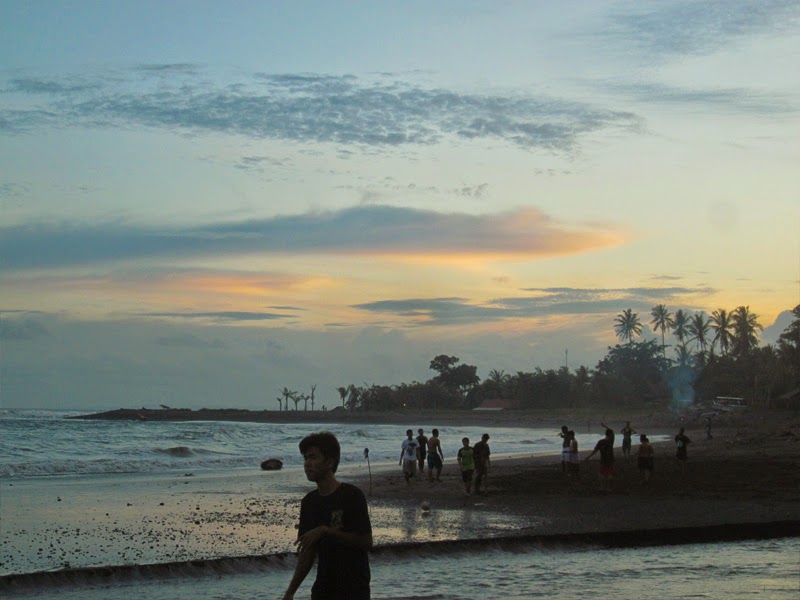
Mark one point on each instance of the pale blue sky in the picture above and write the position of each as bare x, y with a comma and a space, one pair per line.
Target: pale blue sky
189, 186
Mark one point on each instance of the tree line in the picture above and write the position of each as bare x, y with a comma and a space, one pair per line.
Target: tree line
713, 355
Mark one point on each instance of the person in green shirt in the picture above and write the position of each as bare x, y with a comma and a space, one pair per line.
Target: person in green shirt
466, 460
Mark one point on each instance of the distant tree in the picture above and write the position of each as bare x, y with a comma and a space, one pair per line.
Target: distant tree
342, 394
304, 398
627, 325
288, 395
680, 326
723, 330
630, 373
296, 398
789, 347
745, 330
456, 378
662, 319
280, 405
682, 355
313, 387
699, 328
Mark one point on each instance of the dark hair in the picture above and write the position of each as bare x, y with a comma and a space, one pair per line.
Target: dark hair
435, 432
571, 433
564, 428
485, 437
609, 432
643, 437
465, 440
326, 442
409, 432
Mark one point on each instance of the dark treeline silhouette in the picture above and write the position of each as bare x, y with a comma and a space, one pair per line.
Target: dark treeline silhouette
717, 355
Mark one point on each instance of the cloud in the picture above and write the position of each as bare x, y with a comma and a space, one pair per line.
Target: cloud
698, 28
545, 303
219, 315
188, 340
311, 108
21, 329
361, 230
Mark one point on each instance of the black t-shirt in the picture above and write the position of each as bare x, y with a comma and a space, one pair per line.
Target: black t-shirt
422, 440
342, 571
606, 448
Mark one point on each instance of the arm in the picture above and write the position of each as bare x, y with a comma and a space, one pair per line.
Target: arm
402, 451
439, 448
305, 561
591, 455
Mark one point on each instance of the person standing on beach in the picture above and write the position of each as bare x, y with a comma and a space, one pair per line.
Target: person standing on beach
334, 528
408, 456
606, 449
466, 461
681, 441
644, 458
480, 453
435, 455
627, 432
574, 464
422, 440
564, 435
607, 428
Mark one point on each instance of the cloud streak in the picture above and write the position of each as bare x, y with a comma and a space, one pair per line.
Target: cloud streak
363, 230
311, 108
545, 302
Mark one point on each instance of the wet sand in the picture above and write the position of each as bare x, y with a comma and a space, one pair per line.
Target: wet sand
747, 474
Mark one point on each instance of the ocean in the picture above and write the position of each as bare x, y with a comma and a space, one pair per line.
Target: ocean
109, 495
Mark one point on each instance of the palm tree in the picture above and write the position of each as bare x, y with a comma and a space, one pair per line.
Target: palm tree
722, 326
745, 330
683, 354
680, 325
313, 387
699, 326
280, 405
627, 325
287, 395
296, 398
662, 319
342, 394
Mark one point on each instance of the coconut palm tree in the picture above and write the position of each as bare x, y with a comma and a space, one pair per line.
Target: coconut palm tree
342, 394
684, 357
627, 325
722, 326
662, 319
745, 330
680, 326
313, 387
699, 327
280, 404
288, 395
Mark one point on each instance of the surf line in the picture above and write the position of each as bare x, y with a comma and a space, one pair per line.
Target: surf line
89, 576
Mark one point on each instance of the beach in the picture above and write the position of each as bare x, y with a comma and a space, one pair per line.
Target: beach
744, 483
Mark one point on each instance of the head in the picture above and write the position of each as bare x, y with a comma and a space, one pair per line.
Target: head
571, 433
435, 432
609, 433
485, 437
627, 423
409, 434
643, 438
465, 441
321, 451
564, 429
419, 431
681, 431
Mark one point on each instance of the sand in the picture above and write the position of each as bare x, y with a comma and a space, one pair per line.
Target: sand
748, 473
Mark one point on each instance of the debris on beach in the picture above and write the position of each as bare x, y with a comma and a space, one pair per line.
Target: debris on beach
272, 464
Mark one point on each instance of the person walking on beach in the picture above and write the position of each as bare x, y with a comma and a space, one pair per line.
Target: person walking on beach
466, 461
408, 456
681, 441
480, 453
435, 455
564, 435
606, 449
627, 432
422, 440
644, 458
334, 528
607, 428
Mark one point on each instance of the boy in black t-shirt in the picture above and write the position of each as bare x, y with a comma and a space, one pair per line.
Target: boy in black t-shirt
334, 528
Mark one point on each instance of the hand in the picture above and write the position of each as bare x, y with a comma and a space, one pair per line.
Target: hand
288, 596
309, 539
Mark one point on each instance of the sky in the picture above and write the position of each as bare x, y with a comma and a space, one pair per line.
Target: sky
204, 202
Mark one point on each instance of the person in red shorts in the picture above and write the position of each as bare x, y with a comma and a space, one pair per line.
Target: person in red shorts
606, 449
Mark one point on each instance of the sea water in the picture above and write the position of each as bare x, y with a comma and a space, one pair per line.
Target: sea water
45, 443
764, 569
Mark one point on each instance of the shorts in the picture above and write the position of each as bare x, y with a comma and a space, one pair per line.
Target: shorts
409, 466
565, 455
466, 475
434, 461
606, 470
645, 463
626, 444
